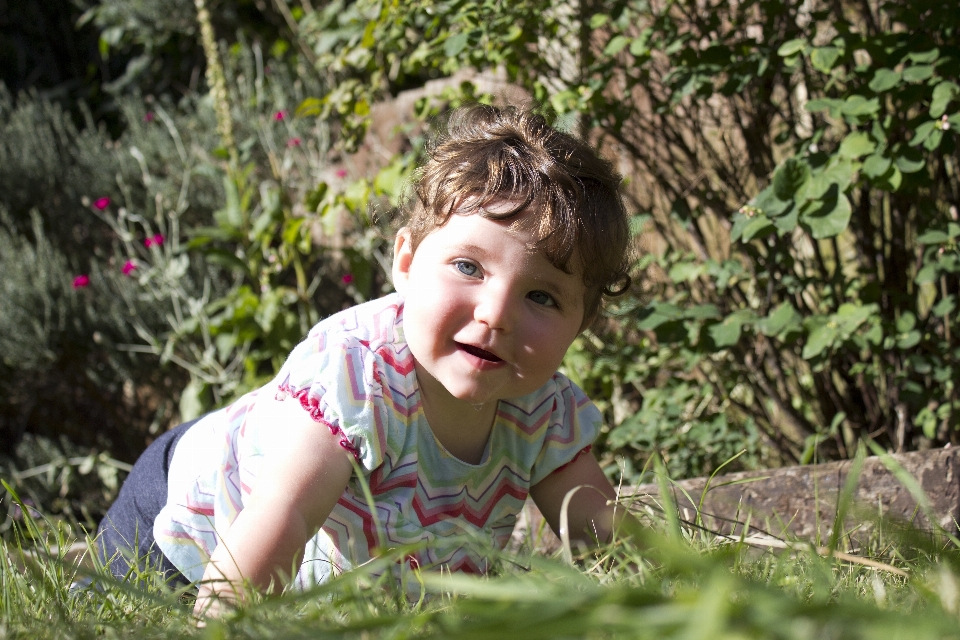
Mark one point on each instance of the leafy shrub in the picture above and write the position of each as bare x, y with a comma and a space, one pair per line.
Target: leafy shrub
795, 165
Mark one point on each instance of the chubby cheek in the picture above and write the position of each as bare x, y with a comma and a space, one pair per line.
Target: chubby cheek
545, 347
429, 319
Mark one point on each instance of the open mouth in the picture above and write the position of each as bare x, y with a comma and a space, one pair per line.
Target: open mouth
479, 353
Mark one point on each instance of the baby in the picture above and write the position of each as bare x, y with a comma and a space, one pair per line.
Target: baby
442, 400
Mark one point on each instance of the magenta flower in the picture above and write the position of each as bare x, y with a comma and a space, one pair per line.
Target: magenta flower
81, 281
154, 241
341, 173
129, 267
293, 142
148, 116
280, 115
347, 278
101, 203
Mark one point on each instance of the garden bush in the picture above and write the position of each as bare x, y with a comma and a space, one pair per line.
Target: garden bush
793, 168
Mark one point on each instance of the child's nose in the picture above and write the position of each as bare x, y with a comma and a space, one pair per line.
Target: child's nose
495, 309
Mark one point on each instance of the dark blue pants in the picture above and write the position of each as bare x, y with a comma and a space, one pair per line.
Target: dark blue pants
125, 536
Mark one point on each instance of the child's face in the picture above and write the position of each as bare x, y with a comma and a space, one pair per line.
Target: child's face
485, 318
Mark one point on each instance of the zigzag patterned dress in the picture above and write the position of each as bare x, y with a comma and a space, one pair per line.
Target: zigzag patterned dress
355, 374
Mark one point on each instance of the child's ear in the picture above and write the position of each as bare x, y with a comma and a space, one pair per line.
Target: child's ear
402, 259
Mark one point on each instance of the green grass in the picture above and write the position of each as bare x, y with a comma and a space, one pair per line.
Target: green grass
672, 581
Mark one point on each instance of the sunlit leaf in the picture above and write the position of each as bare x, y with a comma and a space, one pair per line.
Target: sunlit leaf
820, 339
831, 218
857, 145
791, 47
917, 73
943, 93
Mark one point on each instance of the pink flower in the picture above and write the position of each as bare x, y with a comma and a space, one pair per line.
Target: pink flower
129, 267
101, 203
347, 278
81, 281
341, 173
148, 116
280, 115
293, 142
154, 241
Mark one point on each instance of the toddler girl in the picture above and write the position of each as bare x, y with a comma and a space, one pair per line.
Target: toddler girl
444, 396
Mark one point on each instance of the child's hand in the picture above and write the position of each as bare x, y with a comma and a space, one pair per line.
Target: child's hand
213, 603
592, 514
298, 485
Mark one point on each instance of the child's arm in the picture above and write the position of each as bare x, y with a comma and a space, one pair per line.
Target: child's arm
300, 481
589, 517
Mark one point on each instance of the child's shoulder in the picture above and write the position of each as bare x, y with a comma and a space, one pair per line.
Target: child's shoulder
374, 323
363, 344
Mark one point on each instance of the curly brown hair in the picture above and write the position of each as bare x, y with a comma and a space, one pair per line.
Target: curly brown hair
487, 155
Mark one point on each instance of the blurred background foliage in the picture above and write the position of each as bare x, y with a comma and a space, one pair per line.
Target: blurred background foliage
792, 169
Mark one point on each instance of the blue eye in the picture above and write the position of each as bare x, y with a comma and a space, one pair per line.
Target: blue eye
467, 268
540, 297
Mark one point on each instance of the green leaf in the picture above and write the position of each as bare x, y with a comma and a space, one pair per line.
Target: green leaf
917, 73
291, 230
859, 106
310, 107
767, 203
884, 80
909, 160
933, 140
850, 316
789, 177
787, 222
727, 332
924, 56
455, 44
791, 47
831, 218
943, 93
313, 198
906, 322
231, 216
822, 104
781, 318
928, 273
702, 312
857, 145
876, 165
686, 271
755, 227
933, 236
658, 314
820, 339
226, 259
192, 404
639, 46
921, 133
945, 307
616, 45
740, 222
597, 20
895, 178
824, 58
909, 341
